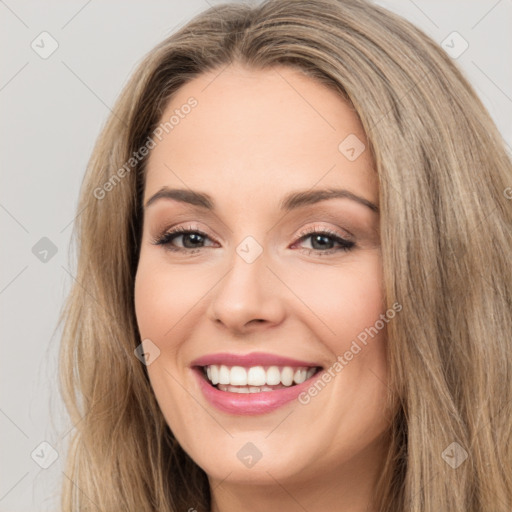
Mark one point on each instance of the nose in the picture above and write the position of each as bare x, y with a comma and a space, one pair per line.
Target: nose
248, 297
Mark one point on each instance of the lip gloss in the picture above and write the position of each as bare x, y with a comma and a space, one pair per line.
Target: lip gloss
250, 403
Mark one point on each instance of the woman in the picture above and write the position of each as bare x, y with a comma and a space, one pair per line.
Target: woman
252, 371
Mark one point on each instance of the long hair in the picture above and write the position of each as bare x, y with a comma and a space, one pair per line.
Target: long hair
446, 236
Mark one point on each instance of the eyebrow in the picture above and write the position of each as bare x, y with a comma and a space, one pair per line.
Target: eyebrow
292, 201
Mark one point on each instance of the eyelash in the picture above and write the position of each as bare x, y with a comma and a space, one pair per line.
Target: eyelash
166, 238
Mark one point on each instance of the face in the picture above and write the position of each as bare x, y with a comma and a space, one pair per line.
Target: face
265, 287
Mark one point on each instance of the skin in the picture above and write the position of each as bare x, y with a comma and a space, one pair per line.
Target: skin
255, 136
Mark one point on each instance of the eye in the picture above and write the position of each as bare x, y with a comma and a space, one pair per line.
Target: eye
320, 238
192, 238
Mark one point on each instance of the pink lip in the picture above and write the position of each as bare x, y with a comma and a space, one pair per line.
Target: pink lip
252, 359
250, 403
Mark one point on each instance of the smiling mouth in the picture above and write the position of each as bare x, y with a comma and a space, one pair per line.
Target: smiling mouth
255, 379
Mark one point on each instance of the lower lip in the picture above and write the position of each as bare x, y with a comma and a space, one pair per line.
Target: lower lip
250, 403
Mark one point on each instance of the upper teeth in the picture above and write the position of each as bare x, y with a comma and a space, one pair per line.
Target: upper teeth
257, 375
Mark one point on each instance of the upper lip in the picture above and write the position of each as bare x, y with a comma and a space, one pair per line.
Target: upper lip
251, 359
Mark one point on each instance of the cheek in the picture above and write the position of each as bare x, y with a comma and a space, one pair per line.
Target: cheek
344, 301
333, 304
341, 302
162, 297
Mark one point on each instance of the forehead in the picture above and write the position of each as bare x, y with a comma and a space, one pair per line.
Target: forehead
256, 131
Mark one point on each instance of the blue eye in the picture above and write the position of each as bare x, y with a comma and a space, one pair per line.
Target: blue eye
320, 237
193, 237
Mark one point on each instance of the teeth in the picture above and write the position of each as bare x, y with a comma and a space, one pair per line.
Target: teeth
256, 378
287, 376
224, 375
300, 375
273, 376
246, 389
238, 376
214, 371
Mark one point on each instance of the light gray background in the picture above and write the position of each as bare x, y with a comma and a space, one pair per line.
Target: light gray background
52, 112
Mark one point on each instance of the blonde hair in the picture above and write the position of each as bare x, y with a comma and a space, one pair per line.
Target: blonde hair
446, 232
